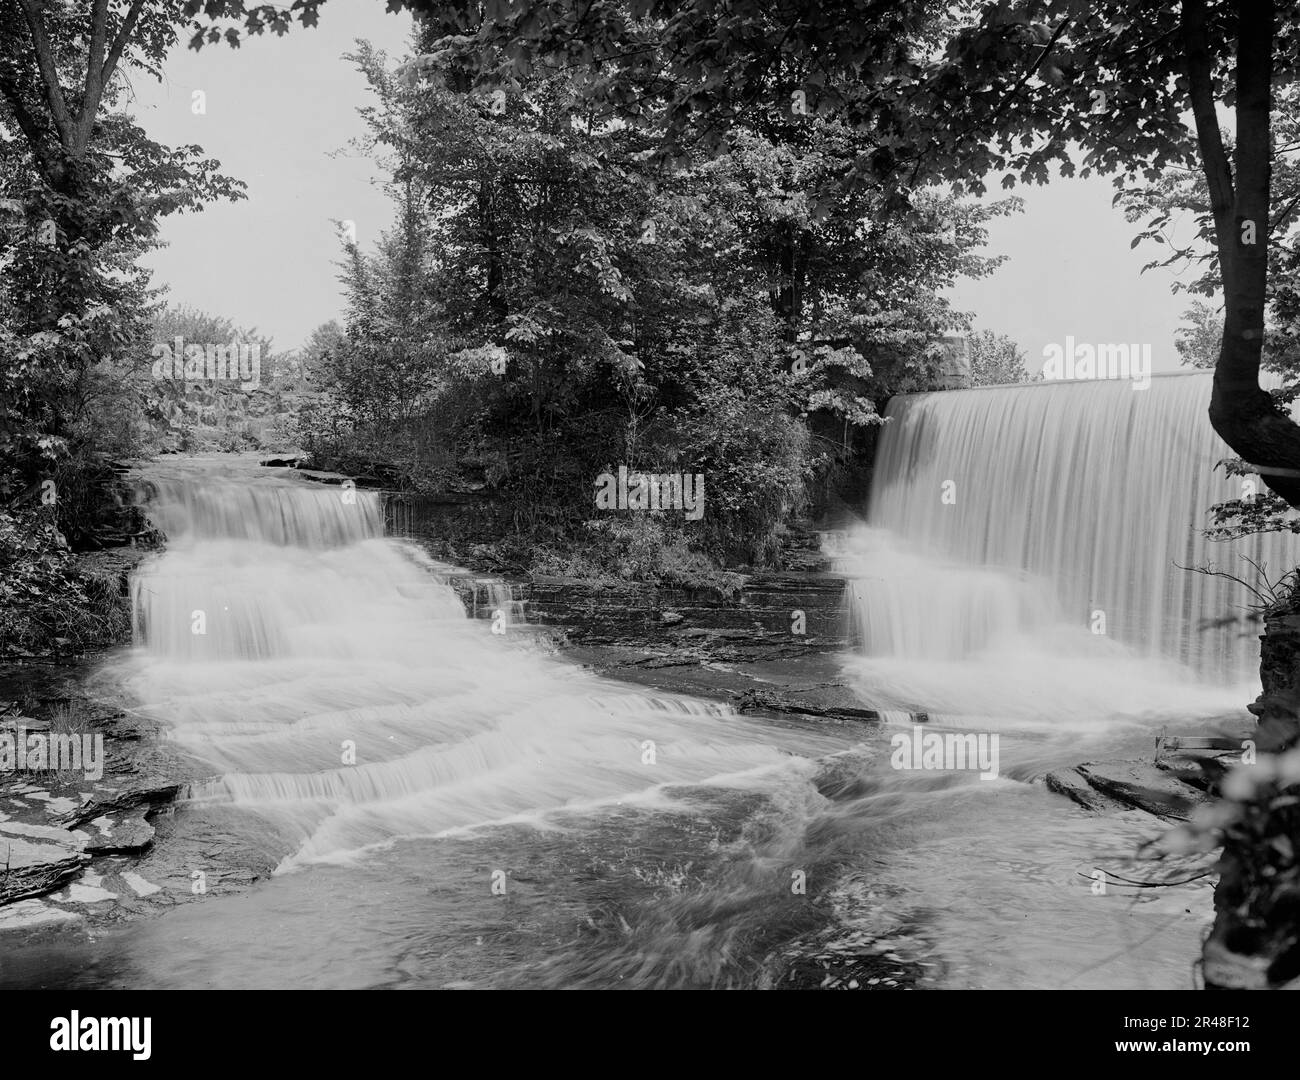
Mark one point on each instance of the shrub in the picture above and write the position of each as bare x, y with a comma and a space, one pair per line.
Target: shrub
45, 604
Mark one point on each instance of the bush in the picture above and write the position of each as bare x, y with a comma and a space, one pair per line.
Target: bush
45, 603
639, 547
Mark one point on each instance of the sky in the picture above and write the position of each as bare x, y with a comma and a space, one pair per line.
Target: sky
1070, 272
279, 114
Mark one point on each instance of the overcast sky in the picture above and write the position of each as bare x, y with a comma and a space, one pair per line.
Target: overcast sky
1070, 272
278, 111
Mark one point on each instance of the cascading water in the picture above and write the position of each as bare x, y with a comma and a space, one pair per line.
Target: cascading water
1034, 548
445, 806
332, 679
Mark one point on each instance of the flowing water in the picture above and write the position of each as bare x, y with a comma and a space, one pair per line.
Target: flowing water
1081, 504
441, 805
1033, 557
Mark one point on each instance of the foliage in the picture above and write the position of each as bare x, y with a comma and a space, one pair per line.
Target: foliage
643, 548
44, 601
82, 190
995, 360
1197, 341
204, 414
1256, 822
934, 93
1175, 211
552, 302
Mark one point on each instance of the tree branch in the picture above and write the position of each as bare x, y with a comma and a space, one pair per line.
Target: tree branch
119, 43
94, 73
1214, 158
1029, 74
49, 74
1286, 212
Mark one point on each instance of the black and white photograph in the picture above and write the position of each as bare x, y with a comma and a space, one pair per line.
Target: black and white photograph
790, 495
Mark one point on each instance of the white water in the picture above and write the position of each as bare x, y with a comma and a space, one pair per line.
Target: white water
476, 755
1025, 555
1022, 574
339, 686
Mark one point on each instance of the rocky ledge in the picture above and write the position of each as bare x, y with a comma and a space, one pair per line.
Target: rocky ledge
70, 839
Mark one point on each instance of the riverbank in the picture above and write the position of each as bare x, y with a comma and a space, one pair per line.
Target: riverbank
74, 841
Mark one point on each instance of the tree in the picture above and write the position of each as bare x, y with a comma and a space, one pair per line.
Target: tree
996, 360
84, 189
1007, 86
322, 345
1176, 214
581, 300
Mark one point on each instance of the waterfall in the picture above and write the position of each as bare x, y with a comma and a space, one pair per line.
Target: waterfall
332, 681
1062, 522
184, 508
449, 806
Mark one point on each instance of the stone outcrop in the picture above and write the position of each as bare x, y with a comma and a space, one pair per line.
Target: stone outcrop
833, 701
1166, 789
1278, 705
801, 610
35, 859
139, 791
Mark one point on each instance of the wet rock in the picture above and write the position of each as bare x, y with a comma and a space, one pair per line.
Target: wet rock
85, 894
133, 728
728, 617
1101, 786
1279, 670
109, 837
1073, 786
830, 701
29, 724
36, 859
1203, 770
144, 791
139, 885
29, 914
1227, 970
1144, 785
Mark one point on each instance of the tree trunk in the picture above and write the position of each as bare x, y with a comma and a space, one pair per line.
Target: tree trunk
1242, 413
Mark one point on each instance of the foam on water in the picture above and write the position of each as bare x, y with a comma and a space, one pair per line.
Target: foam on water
332, 680
1029, 556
